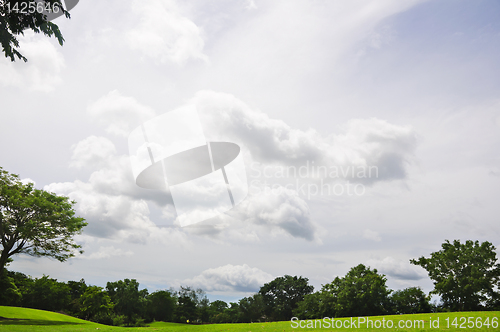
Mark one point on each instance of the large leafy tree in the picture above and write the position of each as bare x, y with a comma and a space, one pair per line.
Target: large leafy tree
128, 299
280, 296
362, 292
161, 306
95, 301
192, 305
464, 274
35, 222
14, 20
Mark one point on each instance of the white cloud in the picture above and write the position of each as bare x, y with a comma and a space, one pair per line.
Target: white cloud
107, 252
43, 69
111, 203
120, 114
397, 269
285, 212
28, 180
164, 33
361, 143
371, 235
92, 152
111, 191
230, 278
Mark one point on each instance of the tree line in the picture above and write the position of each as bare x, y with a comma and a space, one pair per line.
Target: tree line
466, 277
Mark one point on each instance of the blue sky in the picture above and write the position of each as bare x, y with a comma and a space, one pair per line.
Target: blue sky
409, 87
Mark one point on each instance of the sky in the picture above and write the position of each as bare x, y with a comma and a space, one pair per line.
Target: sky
408, 90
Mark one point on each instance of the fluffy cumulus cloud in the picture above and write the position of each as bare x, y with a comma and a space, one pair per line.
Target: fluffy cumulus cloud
120, 114
283, 212
164, 33
117, 207
398, 269
111, 203
362, 144
92, 152
229, 278
42, 72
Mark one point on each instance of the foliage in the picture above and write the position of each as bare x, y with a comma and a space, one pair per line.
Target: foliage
47, 294
161, 306
410, 300
311, 307
76, 290
128, 299
464, 274
10, 295
362, 292
186, 310
35, 222
216, 311
95, 304
251, 308
13, 24
281, 296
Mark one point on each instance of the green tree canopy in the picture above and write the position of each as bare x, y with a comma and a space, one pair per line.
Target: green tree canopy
251, 308
161, 306
362, 292
280, 296
94, 301
464, 274
13, 22
35, 222
410, 300
128, 299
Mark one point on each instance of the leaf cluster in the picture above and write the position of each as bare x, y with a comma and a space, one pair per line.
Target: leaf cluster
14, 23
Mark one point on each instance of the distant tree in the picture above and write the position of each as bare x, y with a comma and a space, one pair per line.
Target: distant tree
161, 306
128, 299
14, 20
410, 300
251, 308
95, 303
233, 313
192, 305
10, 294
362, 292
47, 294
280, 296
464, 275
186, 309
310, 307
216, 310
35, 222
76, 290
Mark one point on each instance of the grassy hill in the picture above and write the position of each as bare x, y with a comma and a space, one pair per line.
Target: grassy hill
23, 319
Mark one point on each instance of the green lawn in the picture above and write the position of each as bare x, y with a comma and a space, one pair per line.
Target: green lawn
22, 319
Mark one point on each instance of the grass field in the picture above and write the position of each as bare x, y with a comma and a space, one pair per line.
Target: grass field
22, 319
